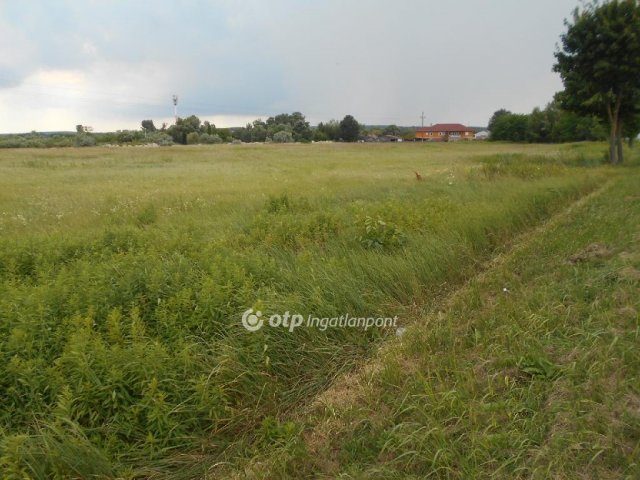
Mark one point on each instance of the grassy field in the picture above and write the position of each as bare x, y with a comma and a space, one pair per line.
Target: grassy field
124, 274
530, 370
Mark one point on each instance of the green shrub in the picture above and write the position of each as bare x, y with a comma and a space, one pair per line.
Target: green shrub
277, 203
161, 139
147, 216
282, 137
210, 139
193, 138
380, 235
126, 136
85, 140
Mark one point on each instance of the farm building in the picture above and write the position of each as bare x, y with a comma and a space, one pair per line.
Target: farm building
442, 132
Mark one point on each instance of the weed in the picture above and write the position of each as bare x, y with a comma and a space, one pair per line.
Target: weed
278, 203
147, 216
380, 235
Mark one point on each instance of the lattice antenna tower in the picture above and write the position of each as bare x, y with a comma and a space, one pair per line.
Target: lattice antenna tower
175, 107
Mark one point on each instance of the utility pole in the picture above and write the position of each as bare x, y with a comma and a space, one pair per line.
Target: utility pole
175, 107
422, 119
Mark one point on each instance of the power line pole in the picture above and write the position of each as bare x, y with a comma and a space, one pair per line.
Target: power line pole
422, 119
175, 107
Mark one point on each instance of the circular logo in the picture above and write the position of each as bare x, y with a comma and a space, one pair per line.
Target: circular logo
252, 321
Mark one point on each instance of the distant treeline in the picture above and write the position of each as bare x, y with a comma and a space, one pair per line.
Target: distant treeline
551, 125
85, 138
282, 128
294, 127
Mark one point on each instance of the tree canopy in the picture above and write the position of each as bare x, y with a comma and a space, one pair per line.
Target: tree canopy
259, 131
494, 118
551, 124
349, 130
599, 62
148, 126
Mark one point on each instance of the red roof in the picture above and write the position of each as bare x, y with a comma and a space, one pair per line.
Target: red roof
445, 127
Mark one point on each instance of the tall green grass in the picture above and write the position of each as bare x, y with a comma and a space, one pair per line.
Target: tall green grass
529, 371
124, 275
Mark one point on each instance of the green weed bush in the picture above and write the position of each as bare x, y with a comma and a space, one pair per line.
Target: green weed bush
380, 235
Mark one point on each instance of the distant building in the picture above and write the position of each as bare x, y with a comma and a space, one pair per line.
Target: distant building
482, 135
445, 132
390, 138
382, 138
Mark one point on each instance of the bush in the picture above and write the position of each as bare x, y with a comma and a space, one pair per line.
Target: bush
210, 139
380, 235
60, 141
193, 138
283, 137
161, 139
13, 142
125, 136
320, 136
84, 140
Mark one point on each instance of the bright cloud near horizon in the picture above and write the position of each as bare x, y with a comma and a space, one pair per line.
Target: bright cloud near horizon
111, 64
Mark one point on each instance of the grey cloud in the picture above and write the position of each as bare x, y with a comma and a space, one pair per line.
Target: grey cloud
382, 62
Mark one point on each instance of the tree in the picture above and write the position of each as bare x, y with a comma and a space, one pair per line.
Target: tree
148, 126
539, 126
183, 127
302, 131
193, 138
392, 130
191, 122
349, 129
496, 115
294, 123
327, 131
208, 128
283, 137
599, 63
511, 127
553, 124
259, 131
409, 134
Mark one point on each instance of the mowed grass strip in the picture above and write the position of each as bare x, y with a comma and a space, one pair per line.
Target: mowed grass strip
530, 371
124, 275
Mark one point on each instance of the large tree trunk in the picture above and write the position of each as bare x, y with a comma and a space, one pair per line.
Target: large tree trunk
615, 139
613, 135
620, 142
613, 150
613, 145
620, 150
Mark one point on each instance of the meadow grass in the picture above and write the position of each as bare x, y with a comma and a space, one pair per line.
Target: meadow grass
530, 370
124, 273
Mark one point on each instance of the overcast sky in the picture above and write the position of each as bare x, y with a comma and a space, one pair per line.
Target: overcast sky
111, 64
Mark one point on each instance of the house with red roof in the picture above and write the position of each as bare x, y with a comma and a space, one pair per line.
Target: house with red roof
445, 132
